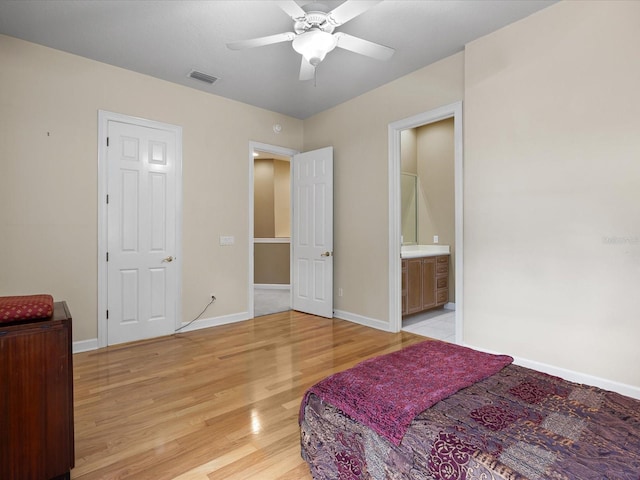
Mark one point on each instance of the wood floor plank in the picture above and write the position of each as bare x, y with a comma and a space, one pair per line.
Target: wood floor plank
217, 403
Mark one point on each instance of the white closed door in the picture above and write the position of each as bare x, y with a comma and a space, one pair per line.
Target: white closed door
312, 236
141, 231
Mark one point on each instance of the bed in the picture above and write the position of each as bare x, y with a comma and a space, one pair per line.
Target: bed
457, 413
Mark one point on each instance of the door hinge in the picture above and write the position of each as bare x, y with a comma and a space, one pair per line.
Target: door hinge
107, 314
107, 141
107, 199
107, 256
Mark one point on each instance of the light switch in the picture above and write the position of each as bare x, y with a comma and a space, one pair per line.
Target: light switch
227, 240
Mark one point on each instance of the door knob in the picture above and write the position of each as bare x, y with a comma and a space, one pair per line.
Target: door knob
326, 254
168, 259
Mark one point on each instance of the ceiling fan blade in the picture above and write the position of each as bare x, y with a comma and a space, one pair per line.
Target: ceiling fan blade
363, 47
350, 9
262, 41
307, 71
291, 8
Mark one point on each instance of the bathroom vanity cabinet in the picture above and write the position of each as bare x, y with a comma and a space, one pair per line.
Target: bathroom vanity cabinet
425, 283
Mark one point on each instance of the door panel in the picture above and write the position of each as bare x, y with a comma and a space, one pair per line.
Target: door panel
141, 231
313, 232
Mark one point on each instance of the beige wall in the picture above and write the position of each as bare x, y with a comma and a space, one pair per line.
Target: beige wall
263, 198
409, 151
357, 129
271, 263
436, 205
49, 104
552, 189
282, 198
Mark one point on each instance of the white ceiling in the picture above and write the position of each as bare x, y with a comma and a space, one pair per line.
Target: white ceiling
167, 39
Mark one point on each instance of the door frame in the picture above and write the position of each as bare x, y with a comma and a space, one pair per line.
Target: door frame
104, 117
276, 150
453, 110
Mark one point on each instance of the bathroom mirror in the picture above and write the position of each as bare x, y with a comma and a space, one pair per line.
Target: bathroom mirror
409, 209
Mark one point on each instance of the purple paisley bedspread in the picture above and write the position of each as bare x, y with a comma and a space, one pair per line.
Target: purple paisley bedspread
516, 424
386, 393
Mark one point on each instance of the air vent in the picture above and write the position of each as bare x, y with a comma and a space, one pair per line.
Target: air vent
203, 77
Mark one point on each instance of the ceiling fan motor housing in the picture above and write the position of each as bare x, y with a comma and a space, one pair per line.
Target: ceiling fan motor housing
319, 20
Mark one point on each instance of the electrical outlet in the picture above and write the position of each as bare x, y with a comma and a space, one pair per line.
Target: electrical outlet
340, 292
436, 239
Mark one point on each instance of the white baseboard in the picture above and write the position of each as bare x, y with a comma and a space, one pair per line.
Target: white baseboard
450, 306
579, 377
362, 320
272, 286
215, 321
573, 376
92, 344
85, 345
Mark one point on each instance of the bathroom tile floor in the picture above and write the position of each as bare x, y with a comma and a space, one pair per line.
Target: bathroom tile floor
439, 324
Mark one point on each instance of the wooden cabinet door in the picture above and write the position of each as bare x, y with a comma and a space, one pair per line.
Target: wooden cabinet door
414, 285
404, 288
428, 282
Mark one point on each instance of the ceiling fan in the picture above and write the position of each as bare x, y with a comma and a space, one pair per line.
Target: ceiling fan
313, 35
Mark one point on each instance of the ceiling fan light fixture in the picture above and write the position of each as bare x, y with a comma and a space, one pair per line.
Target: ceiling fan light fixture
314, 45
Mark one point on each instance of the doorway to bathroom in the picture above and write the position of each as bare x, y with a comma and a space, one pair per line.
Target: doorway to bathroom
426, 152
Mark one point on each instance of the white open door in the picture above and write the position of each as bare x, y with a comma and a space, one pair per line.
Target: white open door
141, 251
312, 234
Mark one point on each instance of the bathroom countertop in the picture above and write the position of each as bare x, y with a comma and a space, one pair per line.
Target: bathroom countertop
415, 251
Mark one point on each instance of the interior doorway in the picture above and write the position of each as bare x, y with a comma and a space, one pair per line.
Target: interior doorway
453, 111
311, 228
271, 243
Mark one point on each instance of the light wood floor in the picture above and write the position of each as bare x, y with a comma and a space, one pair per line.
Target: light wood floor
218, 403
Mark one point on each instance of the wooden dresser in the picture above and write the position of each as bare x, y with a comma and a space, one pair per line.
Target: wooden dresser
36, 398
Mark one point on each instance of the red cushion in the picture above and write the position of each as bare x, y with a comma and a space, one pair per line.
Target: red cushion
25, 307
